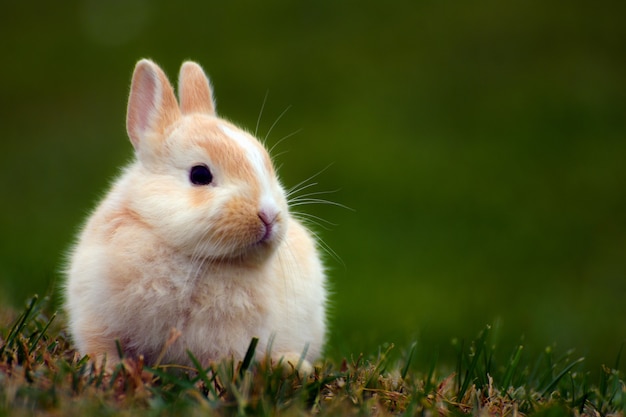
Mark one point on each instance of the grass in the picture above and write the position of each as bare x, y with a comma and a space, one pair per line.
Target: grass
41, 374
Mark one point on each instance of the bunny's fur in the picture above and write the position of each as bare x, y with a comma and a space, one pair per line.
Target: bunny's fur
220, 262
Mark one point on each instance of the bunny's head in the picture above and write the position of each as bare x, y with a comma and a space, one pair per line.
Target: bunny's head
204, 186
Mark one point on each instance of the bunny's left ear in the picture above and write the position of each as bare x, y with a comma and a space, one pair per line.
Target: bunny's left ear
152, 106
194, 90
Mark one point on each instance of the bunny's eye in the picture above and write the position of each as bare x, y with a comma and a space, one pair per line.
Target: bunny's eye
200, 175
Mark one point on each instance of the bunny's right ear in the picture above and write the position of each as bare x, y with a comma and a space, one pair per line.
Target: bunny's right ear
152, 105
194, 90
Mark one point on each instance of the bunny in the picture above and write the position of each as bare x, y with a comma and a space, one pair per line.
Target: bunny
194, 237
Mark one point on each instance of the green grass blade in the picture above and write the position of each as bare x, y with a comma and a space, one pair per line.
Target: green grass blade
380, 366
40, 334
19, 324
429, 384
120, 351
302, 357
170, 378
561, 374
247, 360
405, 369
471, 372
512, 368
459, 365
203, 375
619, 356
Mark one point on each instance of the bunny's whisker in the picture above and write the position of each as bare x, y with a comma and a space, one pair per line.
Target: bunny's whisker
275, 157
318, 193
326, 248
306, 201
271, 150
308, 218
280, 116
296, 187
258, 120
300, 189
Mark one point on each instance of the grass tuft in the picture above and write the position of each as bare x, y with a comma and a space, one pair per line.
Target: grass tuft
40, 373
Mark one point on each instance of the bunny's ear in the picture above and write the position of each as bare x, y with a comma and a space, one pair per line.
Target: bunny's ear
194, 90
152, 105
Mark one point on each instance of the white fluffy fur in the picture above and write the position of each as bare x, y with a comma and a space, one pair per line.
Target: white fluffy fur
160, 253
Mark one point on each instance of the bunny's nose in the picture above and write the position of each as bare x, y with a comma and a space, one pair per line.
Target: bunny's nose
268, 217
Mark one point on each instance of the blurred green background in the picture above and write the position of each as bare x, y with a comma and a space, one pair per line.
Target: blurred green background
482, 146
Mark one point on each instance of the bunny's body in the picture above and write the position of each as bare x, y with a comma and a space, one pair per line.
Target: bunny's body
195, 235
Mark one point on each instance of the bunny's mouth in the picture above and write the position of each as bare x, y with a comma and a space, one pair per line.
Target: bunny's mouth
268, 233
268, 228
